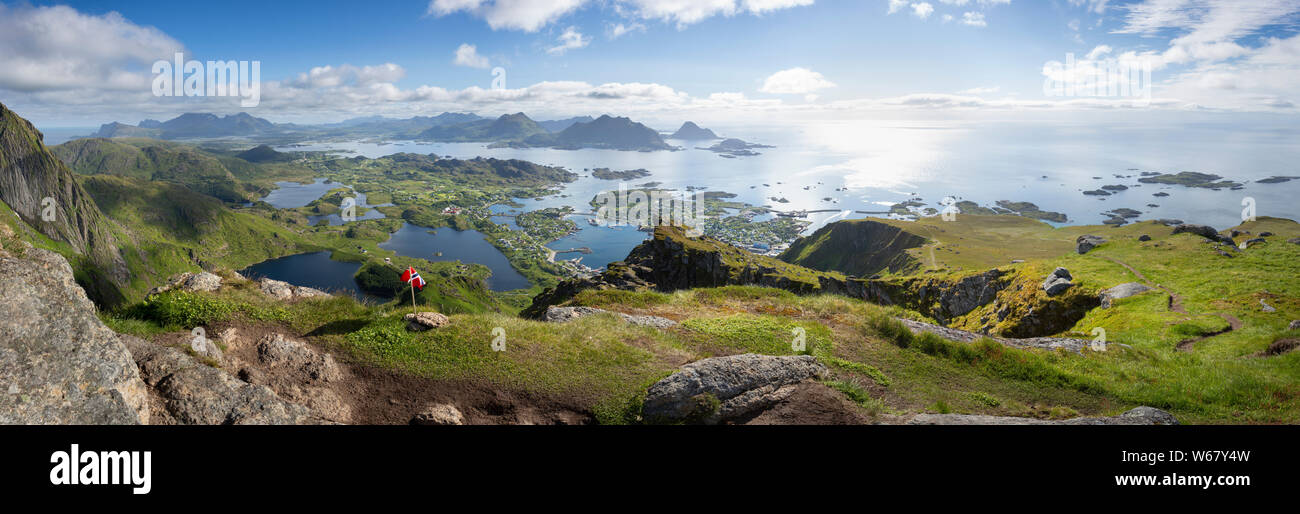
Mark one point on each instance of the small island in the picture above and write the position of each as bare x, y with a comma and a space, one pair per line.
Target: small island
608, 174
735, 148
1191, 179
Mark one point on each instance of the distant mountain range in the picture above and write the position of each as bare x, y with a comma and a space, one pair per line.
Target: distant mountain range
513, 130
519, 131
191, 125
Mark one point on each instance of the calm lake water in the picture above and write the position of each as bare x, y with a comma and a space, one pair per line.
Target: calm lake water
468, 246
315, 270
870, 165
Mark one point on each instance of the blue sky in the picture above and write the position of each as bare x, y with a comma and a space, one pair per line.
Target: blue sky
827, 57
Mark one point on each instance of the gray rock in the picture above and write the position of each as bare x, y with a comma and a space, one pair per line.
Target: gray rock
1252, 242
1137, 416
567, 314
1205, 231
206, 282
192, 393
1169, 222
286, 291
1086, 243
276, 351
1294, 240
718, 389
62, 365
420, 322
1121, 291
1266, 307
1144, 238
1295, 325
439, 414
203, 282
1058, 282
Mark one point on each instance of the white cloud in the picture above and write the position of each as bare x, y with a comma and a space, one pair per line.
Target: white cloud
895, 6
686, 12
974, 19
43, 48
525, 15
1094, 6
467, 55
922, 10
532, 15
980, 91
1209, 28
618, 30
347, 75
795, 81
570, 39
1099, 51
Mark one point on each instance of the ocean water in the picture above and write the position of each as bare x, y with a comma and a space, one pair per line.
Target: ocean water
870, 165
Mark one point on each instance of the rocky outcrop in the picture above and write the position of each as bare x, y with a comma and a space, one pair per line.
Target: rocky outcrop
202, 282
673, 261
439, 414
567, 314
1122, 291
1058, 282
720, 389
1137, 416
1086, 243
285, 291
964, 336
856, 247
188, 392
1205, 231
420, 322
58, 363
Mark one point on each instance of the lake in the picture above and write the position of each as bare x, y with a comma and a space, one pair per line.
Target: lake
467, 246
314, 270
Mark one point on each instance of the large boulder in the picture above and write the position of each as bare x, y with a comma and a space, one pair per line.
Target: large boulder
286, 291
1086, 243
720, 389
296, 356
1058, 282
1121, 291
439, 414
425, 321
189, 392
202, 281
58, 363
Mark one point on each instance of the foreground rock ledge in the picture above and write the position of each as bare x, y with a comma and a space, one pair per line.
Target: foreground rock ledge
70, 372
719, 389
1137, 416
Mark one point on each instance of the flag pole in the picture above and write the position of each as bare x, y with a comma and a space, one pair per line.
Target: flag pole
413, 313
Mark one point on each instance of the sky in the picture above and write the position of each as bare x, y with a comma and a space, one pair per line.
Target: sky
86, 63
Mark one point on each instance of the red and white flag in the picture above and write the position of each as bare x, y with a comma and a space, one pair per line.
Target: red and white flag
410, 276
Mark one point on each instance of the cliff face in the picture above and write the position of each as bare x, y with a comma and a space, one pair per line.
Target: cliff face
29, 173
856, 247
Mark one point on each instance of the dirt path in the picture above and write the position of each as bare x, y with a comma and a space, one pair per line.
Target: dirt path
1176, 305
